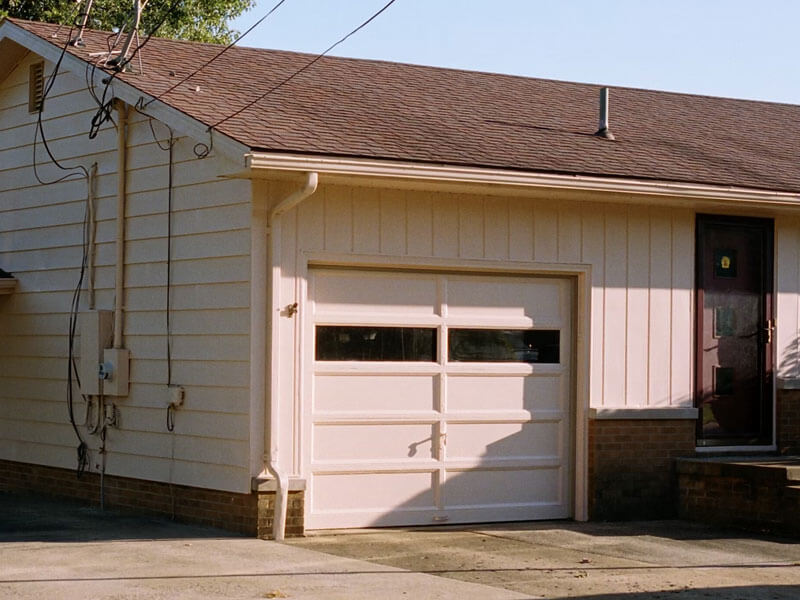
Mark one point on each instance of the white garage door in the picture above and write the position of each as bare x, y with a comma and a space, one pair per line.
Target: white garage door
438, 398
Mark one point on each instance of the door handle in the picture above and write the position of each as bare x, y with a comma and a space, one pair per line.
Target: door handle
768, 330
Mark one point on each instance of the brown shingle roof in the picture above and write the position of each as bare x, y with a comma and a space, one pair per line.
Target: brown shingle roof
382, 110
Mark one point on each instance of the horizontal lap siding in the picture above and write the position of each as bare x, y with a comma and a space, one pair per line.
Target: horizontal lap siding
40, 242
641, 258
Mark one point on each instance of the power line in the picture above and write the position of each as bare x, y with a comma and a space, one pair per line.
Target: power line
103, 113
215, 57
305, 67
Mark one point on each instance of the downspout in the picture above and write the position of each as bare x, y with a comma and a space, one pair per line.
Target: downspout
122, 165
259, 309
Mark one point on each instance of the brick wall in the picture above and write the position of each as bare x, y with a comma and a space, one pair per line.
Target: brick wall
759, 495
249, 514
631, 470
294, 514
788, 421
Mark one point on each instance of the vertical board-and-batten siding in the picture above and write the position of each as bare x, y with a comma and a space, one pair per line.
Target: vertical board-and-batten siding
642, 262
641, 257
40, 242
787, 276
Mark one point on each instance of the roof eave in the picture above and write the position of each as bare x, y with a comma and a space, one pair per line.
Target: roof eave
126, 92
260, 164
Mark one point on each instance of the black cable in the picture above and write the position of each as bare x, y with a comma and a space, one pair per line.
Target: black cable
103, 113
201, 149
81, 171
215, 57
170, 420
39, 129
170, 147
309, 64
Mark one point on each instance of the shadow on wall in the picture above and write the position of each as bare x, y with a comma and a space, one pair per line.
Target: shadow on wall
789, 361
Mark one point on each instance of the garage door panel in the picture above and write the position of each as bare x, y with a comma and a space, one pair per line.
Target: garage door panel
506, 392
374, 293
502, 399
496, 298
504, 440
502, 487
377, 442
375, 492
371, 393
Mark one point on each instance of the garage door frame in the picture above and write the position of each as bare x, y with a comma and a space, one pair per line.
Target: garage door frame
579, 273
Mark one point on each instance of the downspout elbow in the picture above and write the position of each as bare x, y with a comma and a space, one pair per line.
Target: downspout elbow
296, 197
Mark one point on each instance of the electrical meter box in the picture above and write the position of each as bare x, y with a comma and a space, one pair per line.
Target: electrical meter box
116, 370
97, 334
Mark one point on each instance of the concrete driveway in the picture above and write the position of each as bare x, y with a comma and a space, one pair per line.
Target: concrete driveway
61, 550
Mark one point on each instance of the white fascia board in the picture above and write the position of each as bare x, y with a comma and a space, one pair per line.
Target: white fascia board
327, 165
126, 92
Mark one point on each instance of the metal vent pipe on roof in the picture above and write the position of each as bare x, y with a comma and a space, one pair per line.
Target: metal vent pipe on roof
603, 130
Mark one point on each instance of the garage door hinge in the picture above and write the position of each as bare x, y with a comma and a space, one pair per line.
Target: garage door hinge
289, 310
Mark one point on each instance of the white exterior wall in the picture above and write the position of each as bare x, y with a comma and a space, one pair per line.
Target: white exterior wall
787, 292
642, 272
40, 242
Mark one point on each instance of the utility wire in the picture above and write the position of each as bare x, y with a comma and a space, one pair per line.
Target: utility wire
305, 67
80, 170
103, 113
216, 56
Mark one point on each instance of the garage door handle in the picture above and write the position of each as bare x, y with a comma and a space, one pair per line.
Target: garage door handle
443, 439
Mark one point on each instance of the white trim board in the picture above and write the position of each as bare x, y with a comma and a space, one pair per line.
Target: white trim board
258, 163
642, 414
581, 273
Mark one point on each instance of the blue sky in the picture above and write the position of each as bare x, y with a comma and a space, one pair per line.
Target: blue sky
736, 48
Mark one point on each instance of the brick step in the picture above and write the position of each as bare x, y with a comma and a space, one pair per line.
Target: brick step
761, 493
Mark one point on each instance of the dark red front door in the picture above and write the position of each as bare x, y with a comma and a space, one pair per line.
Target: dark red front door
734, 331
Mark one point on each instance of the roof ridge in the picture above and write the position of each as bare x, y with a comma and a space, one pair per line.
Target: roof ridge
381, 61
384, 110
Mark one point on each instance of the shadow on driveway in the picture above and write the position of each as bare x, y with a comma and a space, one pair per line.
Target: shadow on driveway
590, 561
41, 555
25, 518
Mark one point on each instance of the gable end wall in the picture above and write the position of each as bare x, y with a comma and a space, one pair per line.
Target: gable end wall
40, 242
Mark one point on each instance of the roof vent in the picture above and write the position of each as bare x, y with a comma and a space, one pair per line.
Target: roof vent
36, 87
604, 131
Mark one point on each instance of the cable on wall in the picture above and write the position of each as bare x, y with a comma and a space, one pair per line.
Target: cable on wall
305, 67
169, 147
81, 172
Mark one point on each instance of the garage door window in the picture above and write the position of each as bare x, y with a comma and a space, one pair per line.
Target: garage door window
504, 345
345, 342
